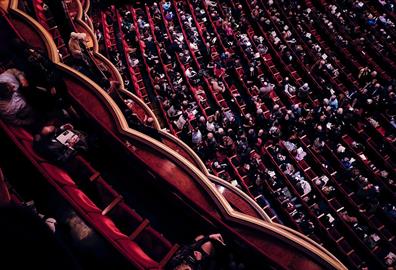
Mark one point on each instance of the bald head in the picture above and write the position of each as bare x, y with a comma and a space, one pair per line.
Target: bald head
47, 130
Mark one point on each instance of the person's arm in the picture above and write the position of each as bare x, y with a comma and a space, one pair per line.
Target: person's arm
205, 243
75, 48
212, 237
218, 237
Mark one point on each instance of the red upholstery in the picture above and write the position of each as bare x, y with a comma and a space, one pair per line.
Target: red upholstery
81, 199
275, 68
135, 253
59, 175
29, 148
86, 208
21, 133
106, 226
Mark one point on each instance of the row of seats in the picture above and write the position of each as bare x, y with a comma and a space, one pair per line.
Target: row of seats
103, 208
99, 204
46, 19
274, 66
390, 237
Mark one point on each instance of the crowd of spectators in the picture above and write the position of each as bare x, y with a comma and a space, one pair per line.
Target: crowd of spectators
190, 60
195, 55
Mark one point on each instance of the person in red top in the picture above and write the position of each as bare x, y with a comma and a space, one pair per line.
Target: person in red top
218, 71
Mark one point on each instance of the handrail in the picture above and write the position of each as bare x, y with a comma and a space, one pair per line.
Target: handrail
135, 98
298, 240
81, 23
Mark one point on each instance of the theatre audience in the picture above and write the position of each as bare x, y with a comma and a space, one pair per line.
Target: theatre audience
215, 90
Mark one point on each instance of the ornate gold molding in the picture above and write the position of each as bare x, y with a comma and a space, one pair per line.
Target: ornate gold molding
199, 175
87, 29
135, 98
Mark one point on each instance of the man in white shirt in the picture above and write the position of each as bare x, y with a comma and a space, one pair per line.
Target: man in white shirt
190, 73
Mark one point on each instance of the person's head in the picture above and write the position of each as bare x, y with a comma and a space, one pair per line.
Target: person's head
47, 130
150, 121
51, 222
73, 35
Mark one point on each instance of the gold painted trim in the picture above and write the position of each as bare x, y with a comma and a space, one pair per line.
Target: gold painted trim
89, 22
197, 175
135, 98
13, 4
142, 104
78, 20
87, 6
85, 11
240, 193
49, 43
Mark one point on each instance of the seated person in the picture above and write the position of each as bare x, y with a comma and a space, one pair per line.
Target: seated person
304, 91
13, 105
49, 91
202, 254
75, 41
59, 144
390, 259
